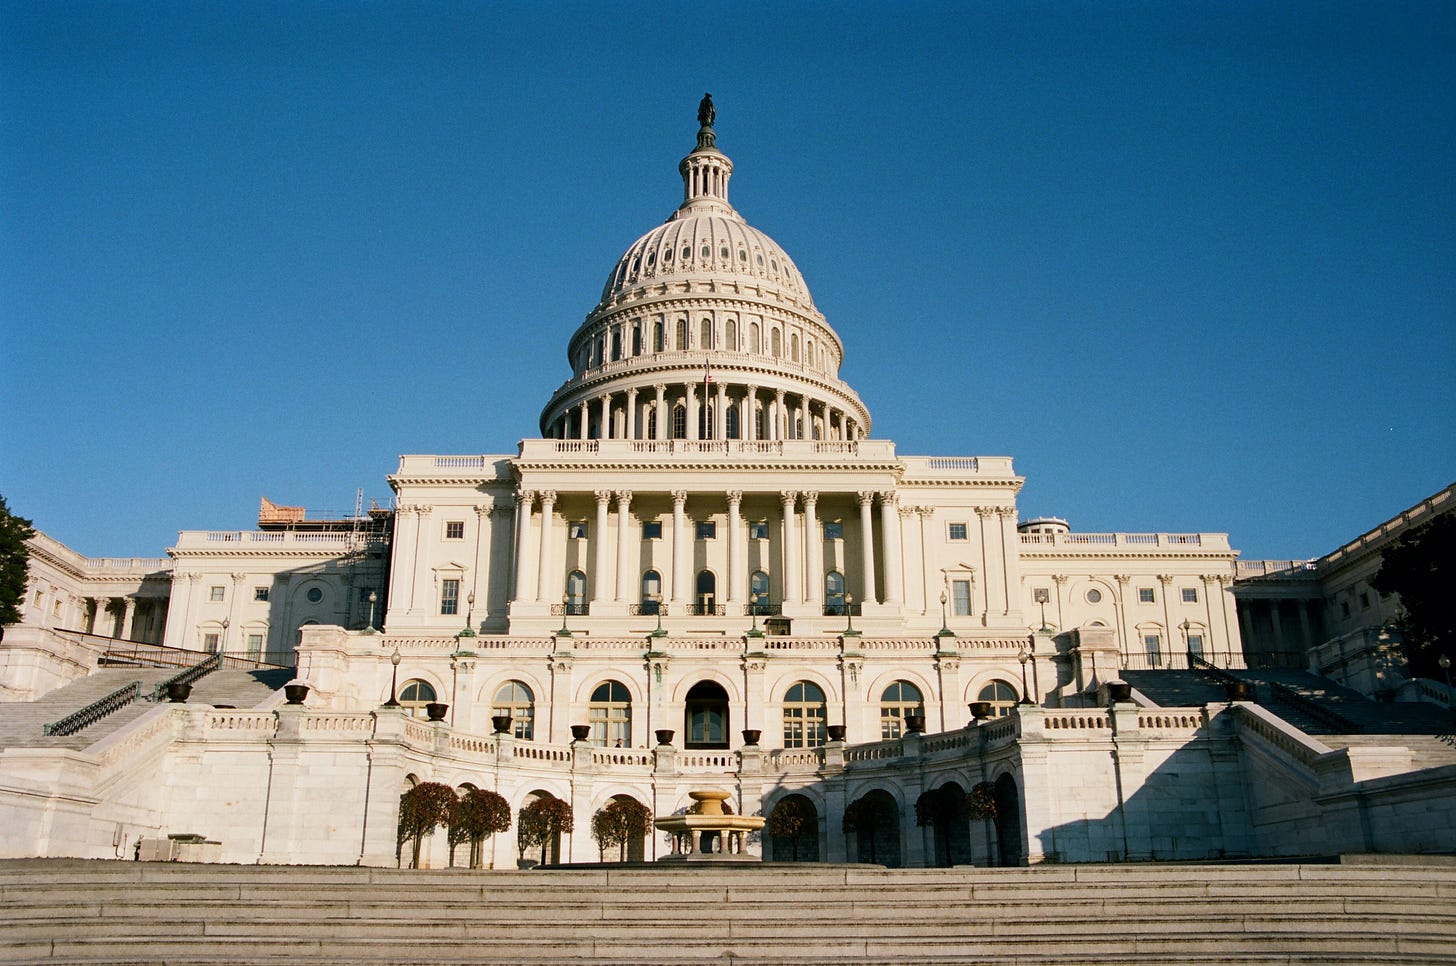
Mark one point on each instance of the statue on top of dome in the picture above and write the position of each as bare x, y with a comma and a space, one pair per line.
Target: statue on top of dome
706, 111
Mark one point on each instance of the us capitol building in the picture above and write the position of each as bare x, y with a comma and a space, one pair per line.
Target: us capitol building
706, 573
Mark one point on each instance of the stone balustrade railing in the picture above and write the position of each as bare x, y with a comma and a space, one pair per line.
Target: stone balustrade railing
1130, 541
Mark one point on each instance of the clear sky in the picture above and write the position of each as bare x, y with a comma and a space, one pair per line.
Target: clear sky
1192, 264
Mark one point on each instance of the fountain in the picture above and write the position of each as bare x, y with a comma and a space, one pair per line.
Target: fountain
708, 833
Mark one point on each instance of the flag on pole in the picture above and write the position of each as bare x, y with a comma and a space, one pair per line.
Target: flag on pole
707, 371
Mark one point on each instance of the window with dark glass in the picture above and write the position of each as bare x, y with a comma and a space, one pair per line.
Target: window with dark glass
805, 716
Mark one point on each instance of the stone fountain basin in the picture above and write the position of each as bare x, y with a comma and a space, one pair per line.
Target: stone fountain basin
708, 823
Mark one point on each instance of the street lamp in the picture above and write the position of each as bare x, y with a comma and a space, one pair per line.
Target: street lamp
1041, 595
469, 630
945, 630
564, 632
373, 599
393, 679
222, 643
1445, 663
849, 630
1023, 656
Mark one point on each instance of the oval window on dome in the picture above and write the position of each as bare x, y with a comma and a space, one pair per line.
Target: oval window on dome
742, 255
707, 252
667, 254
774, 264
651, 259
723, 252
759, 259
636, 263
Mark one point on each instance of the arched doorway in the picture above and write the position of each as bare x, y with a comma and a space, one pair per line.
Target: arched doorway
792, 830
635, 848
705, 717
707, 593
953, 838
872, 823
1008, 822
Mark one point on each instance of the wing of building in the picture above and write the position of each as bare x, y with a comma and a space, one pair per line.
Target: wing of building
706, 573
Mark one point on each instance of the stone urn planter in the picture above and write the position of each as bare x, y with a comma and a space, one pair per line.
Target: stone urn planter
1237, 690
836, 732
980, 710
295, 693
435, 711
526, 863
1119, 691
915, 723
751, 736
664, 736
580, 732
177, 692
501, 723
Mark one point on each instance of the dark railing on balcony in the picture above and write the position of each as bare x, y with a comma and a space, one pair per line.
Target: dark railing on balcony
648, 608
94, 711
762, 608
706, 610
186, 676
1179, 661
840, 609
574, 608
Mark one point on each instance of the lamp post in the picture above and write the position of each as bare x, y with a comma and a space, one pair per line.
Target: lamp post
373, 599
1023, 656
393, 702
945, 630
1445, 663
564, 632
849, 630
222, 642
469, 630
1041, 596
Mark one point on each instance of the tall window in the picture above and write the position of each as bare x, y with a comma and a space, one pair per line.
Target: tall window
794, 346
755, 345
707, 592
732, 422
805, 714
834, 593
758, 592
705, 421
960, 598
730, 336
414, 696
576, 593
1153, 645
616, 344
637, 339
659, 336
682, 334
1195, 645
651, 591
255, 646
679, 421
899, 699
707, 716
1002, 697
651, 422
776, 341
610, 715
515, 699
705, 334
449, 596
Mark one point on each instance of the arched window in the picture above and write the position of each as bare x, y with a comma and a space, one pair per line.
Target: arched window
610, 715
1002, 697
576, 593
794, 346
809, 351
616, 344
805, 713
659, 336
679, 421
754, 344
730, 336
758, 593
776, 344
682, 334
706, 598
651, 422
705, 421
705, 334
834, 594
899, 699
601, 344
732, 421
706, 716
515, 699
651, 592
760, 422
636, 338
414, 696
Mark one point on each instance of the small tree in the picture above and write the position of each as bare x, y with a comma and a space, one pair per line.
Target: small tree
423, 809
1421, 568
620, 821
14, 558
787, 821
479, 814
863, 815
541, 821
937, 808
981, 802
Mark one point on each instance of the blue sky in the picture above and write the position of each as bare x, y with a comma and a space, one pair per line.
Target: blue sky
1192, 265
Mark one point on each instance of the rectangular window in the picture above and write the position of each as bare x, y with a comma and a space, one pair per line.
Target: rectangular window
260, 593
1145, 595
1364, 600
454, 529
955, 531
833, 531
214, 593
449, 596
209, 643
1190, 595
1195, 644
652, 530
758, 531
1153, 644
255, 645
577, 530
960, 597
707, 530
1344, 608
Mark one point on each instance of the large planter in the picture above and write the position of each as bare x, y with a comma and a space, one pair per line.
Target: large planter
580, 732
295, 693
177, 692
664, 736
836, 732
435, 711
526, 863
980, 710
501, 723
1237, 690
751, 736
915, 723
1119, 691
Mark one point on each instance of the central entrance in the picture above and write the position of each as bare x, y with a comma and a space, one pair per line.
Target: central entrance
706, 716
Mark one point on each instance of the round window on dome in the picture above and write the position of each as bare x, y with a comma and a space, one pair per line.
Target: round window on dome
315, 595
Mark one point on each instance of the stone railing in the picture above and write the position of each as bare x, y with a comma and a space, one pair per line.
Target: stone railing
707, 762
330, 542
599, 450
229, 725
1129, 541
879, 751
1171, 723
1302, 569
1253, 721
941, 467
1077, 721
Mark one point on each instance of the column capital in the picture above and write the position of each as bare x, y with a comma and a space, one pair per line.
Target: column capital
624, 499
811, 497
779, 394
631, 392
548, 497
925, 511
888, 497
194, 578
735, 497
239, 577
603, 496
660, 387
985, 511
404, 510
485, 509
906, 511
789, 497
679, 497
1007, 511
1165, 579
1122, 579
526, 497
866, 497
424, 509
1059, 579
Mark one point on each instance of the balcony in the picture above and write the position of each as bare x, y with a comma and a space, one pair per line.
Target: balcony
596, 451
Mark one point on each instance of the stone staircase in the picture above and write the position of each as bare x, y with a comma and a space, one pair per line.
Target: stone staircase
21, 722
75, 911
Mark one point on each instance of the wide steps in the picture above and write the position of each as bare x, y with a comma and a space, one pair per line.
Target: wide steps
74, 911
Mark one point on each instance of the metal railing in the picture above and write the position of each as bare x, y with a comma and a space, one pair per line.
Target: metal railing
762, 608
187, 676
706, 610
95, 711
1315, 710
576, 608
119, 651
841, 610
648, 608
1181, 661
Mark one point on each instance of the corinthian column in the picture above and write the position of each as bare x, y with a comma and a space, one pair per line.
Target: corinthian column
867, 537
793, 583
524, 499
599, 548
543, 570
890, 524
814, 547
679, 551
735, 551
624, 545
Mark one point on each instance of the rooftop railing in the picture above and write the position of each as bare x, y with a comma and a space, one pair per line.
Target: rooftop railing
1180, 541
